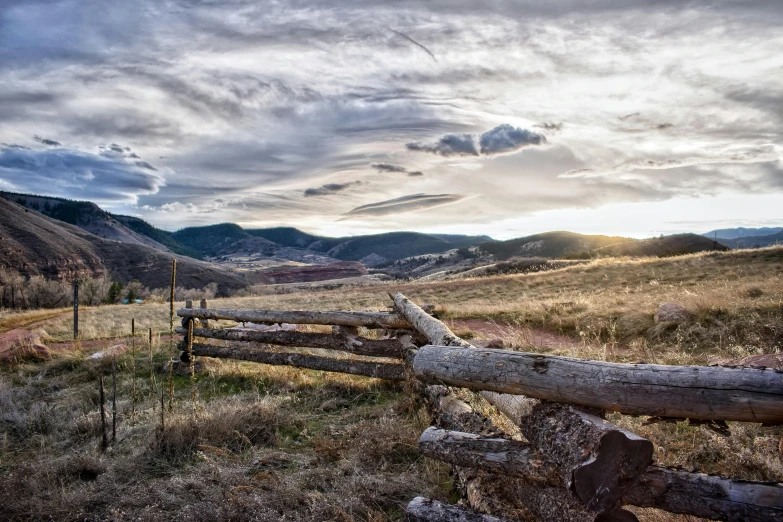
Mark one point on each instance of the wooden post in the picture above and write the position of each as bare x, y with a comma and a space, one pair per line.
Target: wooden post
133, 366
113, 398
104, 441
204, 322
192, 361
75, 308
152, 371
171, 334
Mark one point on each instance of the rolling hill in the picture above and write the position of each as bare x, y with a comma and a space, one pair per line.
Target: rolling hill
35, 244
674, 245
550, 245
569, 245
389, 246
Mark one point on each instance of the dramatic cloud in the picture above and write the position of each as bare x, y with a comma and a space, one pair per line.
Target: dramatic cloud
502, 139
405, 204
329, 189
388, 167
76, 174
198, 101
45, 141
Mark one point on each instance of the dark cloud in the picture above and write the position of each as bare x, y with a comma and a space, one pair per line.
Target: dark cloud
449, 145
502, 139
404, 204
76, 174
45, 141
329, 189
144, 165
505, 138
549, 126
389, 167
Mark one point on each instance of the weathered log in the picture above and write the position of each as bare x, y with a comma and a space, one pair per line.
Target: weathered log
698, 392
422, 509
598, 461
490, 492
393, 371
357, 345
707, 496
366, 319
501, 455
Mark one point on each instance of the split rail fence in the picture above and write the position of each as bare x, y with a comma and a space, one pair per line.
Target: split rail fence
575, 465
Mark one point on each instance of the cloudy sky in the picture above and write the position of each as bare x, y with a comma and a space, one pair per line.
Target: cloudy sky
345, 116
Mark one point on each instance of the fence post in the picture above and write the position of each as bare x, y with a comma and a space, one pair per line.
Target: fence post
133, 366
171, 334
204, 322
75, 308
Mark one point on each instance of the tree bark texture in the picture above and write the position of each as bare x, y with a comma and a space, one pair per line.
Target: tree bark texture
696, 392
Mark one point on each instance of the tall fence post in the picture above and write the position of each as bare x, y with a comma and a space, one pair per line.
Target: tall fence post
171, 334
75, 309
133, 366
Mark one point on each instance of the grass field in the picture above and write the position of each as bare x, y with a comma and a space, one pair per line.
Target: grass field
267, 441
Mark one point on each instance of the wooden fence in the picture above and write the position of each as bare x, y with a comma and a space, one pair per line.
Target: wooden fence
575, 465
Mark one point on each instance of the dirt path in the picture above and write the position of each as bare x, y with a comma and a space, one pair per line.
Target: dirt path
509, 333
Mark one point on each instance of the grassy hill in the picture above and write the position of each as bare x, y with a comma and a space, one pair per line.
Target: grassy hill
34, 244
221, 239
674, 245
550, 245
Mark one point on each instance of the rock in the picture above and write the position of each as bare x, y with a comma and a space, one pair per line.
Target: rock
113, 351
26, 352
491, 343
334, 404
671, 312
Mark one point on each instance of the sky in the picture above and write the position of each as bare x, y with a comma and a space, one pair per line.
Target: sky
343, 117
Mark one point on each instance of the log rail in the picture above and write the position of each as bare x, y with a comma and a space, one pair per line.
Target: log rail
574, 465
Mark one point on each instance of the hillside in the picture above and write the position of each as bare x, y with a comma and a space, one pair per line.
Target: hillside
85, 215
390, 246
674, 245
140, 226
34, 244
734, 233
550, 245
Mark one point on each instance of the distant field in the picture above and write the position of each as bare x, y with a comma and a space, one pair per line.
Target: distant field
343, 448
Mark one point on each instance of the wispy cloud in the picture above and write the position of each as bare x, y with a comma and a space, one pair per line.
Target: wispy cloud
405, 204
329, 189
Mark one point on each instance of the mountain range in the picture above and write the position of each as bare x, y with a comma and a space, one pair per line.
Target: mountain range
59, 238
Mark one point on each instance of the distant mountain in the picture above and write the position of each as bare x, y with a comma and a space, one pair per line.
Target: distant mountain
35, 244
734, 233
390, 246
551, 245
666, 246
754, 241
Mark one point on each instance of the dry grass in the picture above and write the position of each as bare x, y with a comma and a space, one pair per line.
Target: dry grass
275, 441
